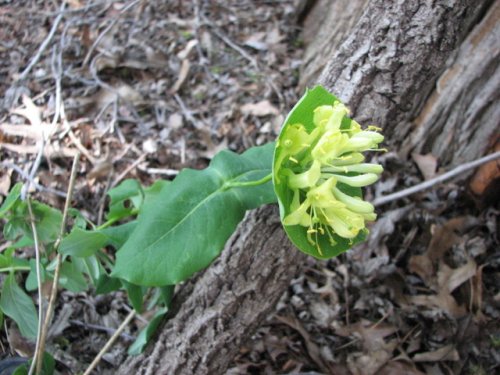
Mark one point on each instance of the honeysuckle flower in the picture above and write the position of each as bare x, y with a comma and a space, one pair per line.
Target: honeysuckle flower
305, 179
344, 222
319, 166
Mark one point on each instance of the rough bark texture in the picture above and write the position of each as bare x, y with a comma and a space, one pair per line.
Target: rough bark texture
227, 303
325, 28
389, 64
461, 118
385, 71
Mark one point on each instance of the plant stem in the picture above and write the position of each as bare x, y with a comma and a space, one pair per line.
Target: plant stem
53, 293
34, 363
236, 184
15, 268
114, 220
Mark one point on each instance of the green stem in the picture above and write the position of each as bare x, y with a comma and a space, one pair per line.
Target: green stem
237, 184
115, 219
15, 268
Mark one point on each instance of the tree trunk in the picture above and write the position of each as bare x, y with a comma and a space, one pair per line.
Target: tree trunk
227, 303
325, 28
385, 70
460, 120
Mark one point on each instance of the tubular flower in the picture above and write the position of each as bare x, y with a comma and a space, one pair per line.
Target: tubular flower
323, 169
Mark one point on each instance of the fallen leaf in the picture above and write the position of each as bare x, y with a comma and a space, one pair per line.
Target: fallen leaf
274, 36
184, 54
452, 278
183, 73
213, 149
443, 301
398, 368
423, 267
256, 41
369, 363
100, 169
61, 321
312, 348
4, 182
427, 164
445, 236
25, 131
485, 175
446, 353
21, 345
260, 109
105, 96
30, 111
50, 151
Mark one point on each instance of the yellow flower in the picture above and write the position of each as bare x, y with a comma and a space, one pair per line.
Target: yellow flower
319, 165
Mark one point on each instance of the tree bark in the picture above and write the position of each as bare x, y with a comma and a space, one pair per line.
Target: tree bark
325, 28
227, 303
460, 120
385, 70
388, 66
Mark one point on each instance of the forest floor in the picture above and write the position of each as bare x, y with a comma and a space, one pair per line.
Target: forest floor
145, 88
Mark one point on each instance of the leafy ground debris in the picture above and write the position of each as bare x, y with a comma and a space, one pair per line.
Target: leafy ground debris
145, 88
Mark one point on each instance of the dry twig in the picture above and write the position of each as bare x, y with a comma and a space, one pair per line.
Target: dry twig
38, 344
106, 30
53, 294
110, 342
436, 180
45, 43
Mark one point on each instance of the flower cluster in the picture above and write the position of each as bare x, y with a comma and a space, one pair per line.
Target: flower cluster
320, 167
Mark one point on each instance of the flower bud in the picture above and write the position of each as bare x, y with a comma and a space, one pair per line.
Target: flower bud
305, 179
353, 203
344, 222
356, 181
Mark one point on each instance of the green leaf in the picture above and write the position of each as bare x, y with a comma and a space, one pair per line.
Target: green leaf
11, 198
185, 227
5, 261
48, 366
24, 241
31, 283
117, 235
106, 284
124, 199
47, 222
72, 278
17, 305
90, 266
167, 293
153, 191
161, 296
10, 263
303, 113
80, 220
135, 295
143, 338
84, 243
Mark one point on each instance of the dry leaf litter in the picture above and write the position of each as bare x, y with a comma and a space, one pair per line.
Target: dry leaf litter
145, 88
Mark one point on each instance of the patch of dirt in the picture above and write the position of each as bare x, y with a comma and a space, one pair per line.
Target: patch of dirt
145, 88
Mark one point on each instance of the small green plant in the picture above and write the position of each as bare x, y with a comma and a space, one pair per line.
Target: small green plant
164, 233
